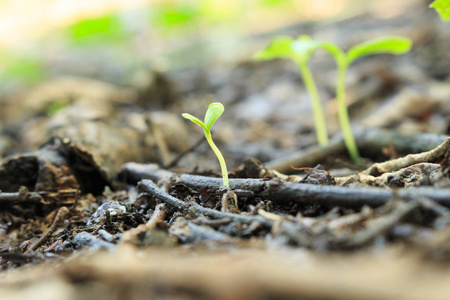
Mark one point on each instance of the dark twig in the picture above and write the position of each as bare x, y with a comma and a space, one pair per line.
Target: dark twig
276, 190
298, 192
59, 219
22, 196
150, 188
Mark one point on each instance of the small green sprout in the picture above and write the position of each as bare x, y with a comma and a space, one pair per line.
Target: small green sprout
300, 51
214, 111
389, 45
443, 9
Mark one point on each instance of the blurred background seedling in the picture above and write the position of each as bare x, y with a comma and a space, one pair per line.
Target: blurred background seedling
384, 45
300, 51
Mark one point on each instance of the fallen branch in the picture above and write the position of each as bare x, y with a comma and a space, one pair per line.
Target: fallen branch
286, 192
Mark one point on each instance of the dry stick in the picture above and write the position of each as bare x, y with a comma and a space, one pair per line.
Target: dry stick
132, 172
150, 188
158, 216
285, 192
308, 157
23, 196
132, 236
382, 225
411, 159
160, 141
57, 222
434, 207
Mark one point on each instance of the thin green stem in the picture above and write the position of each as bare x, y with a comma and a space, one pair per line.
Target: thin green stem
321, 129
222, 163
344, 121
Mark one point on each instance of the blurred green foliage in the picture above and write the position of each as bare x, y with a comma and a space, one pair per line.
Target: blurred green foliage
55, 107
21, 67
171, 15
125, 33
99, 30
443, 8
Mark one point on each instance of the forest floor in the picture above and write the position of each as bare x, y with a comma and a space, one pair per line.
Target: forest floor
108, 193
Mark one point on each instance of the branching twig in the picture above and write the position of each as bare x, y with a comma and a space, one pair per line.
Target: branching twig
150, 188
59, 219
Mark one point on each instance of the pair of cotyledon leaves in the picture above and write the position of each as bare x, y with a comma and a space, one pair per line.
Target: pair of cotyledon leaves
214, 111
302, 48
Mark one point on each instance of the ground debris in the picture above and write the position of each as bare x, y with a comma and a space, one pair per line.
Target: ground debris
174, 232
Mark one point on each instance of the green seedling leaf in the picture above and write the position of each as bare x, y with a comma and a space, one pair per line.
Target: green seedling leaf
55, 107
106, 28
299, 50
214, 111
388, 45
196, 121
280, 47
304, 47
443, 9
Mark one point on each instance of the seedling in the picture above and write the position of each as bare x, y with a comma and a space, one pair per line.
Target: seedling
300, 51
389, 45
443, 9
214, 111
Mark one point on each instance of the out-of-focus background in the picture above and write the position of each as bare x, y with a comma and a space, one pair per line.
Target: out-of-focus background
114, 39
